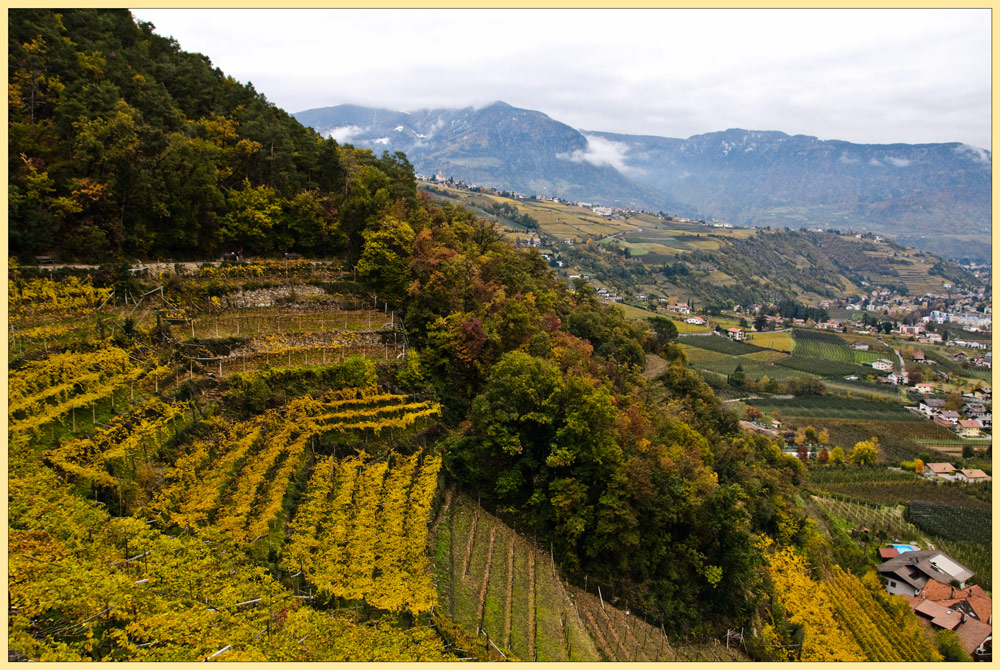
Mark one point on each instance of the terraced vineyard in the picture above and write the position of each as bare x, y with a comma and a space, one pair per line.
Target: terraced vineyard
880, 636
362, 532
841, 619
494, 583
238, 480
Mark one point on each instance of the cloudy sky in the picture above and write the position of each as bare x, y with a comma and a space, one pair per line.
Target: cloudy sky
873, 76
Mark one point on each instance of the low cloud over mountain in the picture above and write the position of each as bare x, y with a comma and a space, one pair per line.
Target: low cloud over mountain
935, 196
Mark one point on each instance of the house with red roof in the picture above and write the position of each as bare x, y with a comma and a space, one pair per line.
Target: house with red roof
974, 476
966, 611
942, 470
969, 427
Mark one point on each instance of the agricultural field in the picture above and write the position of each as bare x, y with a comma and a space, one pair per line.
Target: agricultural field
723, 345
830, 347
960, 523
684, 327
898, 439
752, 368
822, 366
873, 390
779, 341
838, 407
557, 219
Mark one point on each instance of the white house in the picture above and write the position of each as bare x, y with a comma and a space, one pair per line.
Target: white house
908, 573
882, 364
969, 427
930, 406
736, 334
971, 476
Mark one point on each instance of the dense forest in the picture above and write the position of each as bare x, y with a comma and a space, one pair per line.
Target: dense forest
122, 145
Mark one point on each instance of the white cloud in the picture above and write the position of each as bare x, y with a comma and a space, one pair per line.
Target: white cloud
601, 151
981, 155
344, 133
899, 162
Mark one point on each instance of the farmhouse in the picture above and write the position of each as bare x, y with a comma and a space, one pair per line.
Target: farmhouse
883, 364
918, 356
695, 320
908, 573
971, 476
924, 388
942, 470
736, 334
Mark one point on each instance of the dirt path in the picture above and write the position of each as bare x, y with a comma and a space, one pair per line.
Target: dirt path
655, 366
601, 641
531, 606
508, 607
468, 545
481, 606
451, 563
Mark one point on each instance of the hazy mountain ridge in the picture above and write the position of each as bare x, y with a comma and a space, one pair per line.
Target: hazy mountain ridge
935, 196
497, 145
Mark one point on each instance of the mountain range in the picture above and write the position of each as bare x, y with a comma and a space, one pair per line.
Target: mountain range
933, 196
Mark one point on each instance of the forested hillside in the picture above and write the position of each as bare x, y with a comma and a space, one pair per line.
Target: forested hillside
268, 442
121, 144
